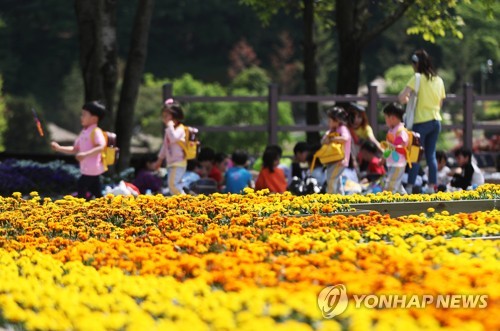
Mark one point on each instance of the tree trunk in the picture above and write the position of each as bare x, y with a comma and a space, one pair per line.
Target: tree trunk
109, 66
132, 79
351, 27
312, 116
349, 67
98, 51
90, 47
351, 18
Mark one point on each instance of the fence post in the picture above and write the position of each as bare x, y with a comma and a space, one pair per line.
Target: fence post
372, 107
167, 91
273, 114
468, 116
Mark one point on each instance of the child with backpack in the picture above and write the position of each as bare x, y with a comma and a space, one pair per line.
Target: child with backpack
172, 150
395, 153
337, 133
88, 148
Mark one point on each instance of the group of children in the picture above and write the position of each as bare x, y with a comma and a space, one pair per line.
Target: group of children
365, 159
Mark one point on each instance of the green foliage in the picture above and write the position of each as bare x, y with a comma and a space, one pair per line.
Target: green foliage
396, 78
22, 135
490, 111
481, 42
252, 79
433, 18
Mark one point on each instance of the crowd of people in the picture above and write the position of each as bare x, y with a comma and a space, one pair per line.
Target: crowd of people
365, 163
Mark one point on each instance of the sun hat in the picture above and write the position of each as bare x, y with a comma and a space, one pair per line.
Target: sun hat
357, 106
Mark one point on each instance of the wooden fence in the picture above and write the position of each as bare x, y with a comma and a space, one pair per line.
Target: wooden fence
372, 98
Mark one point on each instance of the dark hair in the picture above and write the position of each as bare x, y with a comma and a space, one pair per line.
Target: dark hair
269, 157
465, 152
352, 112
143, 162
96, 108
338, 114
192, 165
219, 157
174, 108
206, 154
239, 157
301, 146
440, 155
423, 62
394, 109
369, 146
276, 148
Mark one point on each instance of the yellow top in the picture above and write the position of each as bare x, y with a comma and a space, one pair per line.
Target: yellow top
430, 94
364, 132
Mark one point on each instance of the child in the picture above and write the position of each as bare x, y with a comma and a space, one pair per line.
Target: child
171, 151
207, 157
395, 148
443, 171
146, 178
192, 174
221, 163
282, 165
361, 131
299, 165
271, 176
469, 173
337, 132
238, 177
88, 148
368, 154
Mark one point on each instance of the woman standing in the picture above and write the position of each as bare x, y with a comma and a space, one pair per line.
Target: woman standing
427, 121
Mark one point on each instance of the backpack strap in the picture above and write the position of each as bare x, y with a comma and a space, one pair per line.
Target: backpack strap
417, 82
92, 136
407, 148
103, 152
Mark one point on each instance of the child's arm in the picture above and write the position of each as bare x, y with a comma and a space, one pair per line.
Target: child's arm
174, 133
94, 151
339, 139
63, 149
371, 136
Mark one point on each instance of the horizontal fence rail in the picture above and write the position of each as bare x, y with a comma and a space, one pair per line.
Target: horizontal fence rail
372, 98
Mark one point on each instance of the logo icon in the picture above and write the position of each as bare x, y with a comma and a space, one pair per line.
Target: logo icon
332, 300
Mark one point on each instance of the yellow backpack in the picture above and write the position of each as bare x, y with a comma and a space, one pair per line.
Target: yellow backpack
413, 149
329, 153
110, 152
191, 144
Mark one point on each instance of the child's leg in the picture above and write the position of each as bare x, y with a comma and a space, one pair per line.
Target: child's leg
393, 179
82, 186
95, 186
175, 179
90, 184
333, 178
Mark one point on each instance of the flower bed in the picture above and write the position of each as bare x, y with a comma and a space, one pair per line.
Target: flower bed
242, 262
